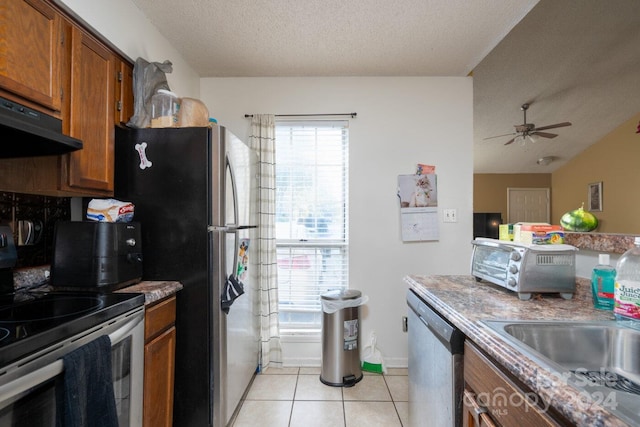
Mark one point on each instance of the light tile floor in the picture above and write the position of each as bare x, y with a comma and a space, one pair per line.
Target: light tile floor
295, 397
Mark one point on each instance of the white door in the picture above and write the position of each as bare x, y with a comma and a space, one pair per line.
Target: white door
528, 205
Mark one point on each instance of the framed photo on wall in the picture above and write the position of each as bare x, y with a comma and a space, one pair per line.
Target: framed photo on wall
595, 196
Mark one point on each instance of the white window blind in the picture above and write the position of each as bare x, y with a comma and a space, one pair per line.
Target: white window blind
311, 217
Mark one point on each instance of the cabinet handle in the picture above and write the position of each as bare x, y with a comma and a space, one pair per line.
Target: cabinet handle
477, 411
475, 406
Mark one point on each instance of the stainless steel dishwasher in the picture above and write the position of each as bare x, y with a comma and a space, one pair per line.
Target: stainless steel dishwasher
435, 367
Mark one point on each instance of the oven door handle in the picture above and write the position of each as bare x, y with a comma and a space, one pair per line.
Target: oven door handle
41, 375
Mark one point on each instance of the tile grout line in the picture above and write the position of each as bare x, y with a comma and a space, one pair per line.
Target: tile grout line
344, 409
293, 400
393, 401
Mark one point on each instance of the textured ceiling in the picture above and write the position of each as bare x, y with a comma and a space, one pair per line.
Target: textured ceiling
240, 38
572, 60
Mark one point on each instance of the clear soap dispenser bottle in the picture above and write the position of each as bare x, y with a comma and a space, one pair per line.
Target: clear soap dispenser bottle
602, 283
627, 288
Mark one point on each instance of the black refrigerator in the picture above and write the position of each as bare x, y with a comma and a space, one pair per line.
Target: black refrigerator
486, 224
195, 196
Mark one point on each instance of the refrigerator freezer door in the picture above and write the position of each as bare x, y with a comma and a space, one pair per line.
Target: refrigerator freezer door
235, 233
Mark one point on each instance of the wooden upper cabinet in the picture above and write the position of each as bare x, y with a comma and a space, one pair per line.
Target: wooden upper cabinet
30, 51
91, 115
123, 92
51, 63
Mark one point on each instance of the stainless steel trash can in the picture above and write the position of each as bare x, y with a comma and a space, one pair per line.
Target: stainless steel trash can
341, 340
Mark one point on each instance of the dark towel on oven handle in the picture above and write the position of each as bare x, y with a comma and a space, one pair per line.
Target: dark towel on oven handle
233, 288
84, 395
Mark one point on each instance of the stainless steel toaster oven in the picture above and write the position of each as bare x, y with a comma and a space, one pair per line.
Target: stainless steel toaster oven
525, 268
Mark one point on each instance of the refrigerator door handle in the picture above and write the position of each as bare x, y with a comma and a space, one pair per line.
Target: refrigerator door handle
230, 228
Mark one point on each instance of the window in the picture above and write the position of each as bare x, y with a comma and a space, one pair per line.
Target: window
311, 218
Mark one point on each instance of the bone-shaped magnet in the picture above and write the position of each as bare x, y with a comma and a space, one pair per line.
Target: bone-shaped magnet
144, 161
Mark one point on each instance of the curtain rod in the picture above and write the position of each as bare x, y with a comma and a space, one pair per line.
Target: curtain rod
353, 115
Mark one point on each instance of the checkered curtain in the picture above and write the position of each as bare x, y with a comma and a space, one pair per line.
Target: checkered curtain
263, 140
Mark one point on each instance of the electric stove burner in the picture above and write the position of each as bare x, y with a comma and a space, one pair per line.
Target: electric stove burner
49, 308
45, 318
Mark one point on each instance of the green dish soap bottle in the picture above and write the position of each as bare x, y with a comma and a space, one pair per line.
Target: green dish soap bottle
602, 283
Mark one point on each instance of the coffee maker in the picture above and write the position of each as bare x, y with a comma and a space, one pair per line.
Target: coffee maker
8, 259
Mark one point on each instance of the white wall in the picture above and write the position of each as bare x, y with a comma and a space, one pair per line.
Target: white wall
400, 122
124, 25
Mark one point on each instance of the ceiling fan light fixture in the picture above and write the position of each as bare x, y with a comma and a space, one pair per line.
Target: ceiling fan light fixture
529, 133
546, 160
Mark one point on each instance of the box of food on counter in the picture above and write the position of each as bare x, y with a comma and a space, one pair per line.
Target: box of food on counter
517, 229
505, 232
541, 234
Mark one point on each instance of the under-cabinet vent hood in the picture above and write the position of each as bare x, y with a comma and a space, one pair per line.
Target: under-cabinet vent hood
29, 133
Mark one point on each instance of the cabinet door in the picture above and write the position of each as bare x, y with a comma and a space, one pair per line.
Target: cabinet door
159, 366
123, 92
30, 51
506, 401
91, 115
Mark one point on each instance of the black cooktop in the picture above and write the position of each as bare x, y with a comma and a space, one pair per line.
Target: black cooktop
39, 319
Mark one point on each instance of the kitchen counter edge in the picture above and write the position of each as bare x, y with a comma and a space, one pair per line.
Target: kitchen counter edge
464, 302
153, 290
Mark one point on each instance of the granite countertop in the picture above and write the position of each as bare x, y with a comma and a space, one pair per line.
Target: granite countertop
601, 242
153, 290
464, 302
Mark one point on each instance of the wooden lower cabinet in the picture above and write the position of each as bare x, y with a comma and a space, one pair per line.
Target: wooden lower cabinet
159, 363
491, 398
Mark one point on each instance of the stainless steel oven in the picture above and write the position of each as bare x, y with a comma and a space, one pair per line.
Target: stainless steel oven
31, 358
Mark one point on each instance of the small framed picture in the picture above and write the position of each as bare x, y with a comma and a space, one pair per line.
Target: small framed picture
595, 196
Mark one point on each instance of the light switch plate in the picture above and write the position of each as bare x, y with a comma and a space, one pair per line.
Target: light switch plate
450, 215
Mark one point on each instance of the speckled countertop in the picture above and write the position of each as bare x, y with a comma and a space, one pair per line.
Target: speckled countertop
153, 290
464, 302
601, 242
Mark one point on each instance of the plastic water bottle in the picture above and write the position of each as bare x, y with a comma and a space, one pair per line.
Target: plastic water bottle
627, 287
602, 283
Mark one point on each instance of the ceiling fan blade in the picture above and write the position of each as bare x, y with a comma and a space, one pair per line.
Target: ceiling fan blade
544, 134
557, 125
500, 136
509, 141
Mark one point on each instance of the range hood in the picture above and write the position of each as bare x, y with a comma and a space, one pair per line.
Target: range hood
25, 132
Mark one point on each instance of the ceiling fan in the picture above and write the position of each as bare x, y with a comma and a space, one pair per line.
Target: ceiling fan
526, 131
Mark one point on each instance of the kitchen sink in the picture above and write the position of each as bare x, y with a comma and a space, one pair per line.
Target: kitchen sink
600, 358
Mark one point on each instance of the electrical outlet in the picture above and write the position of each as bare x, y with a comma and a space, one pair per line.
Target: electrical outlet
450, 215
